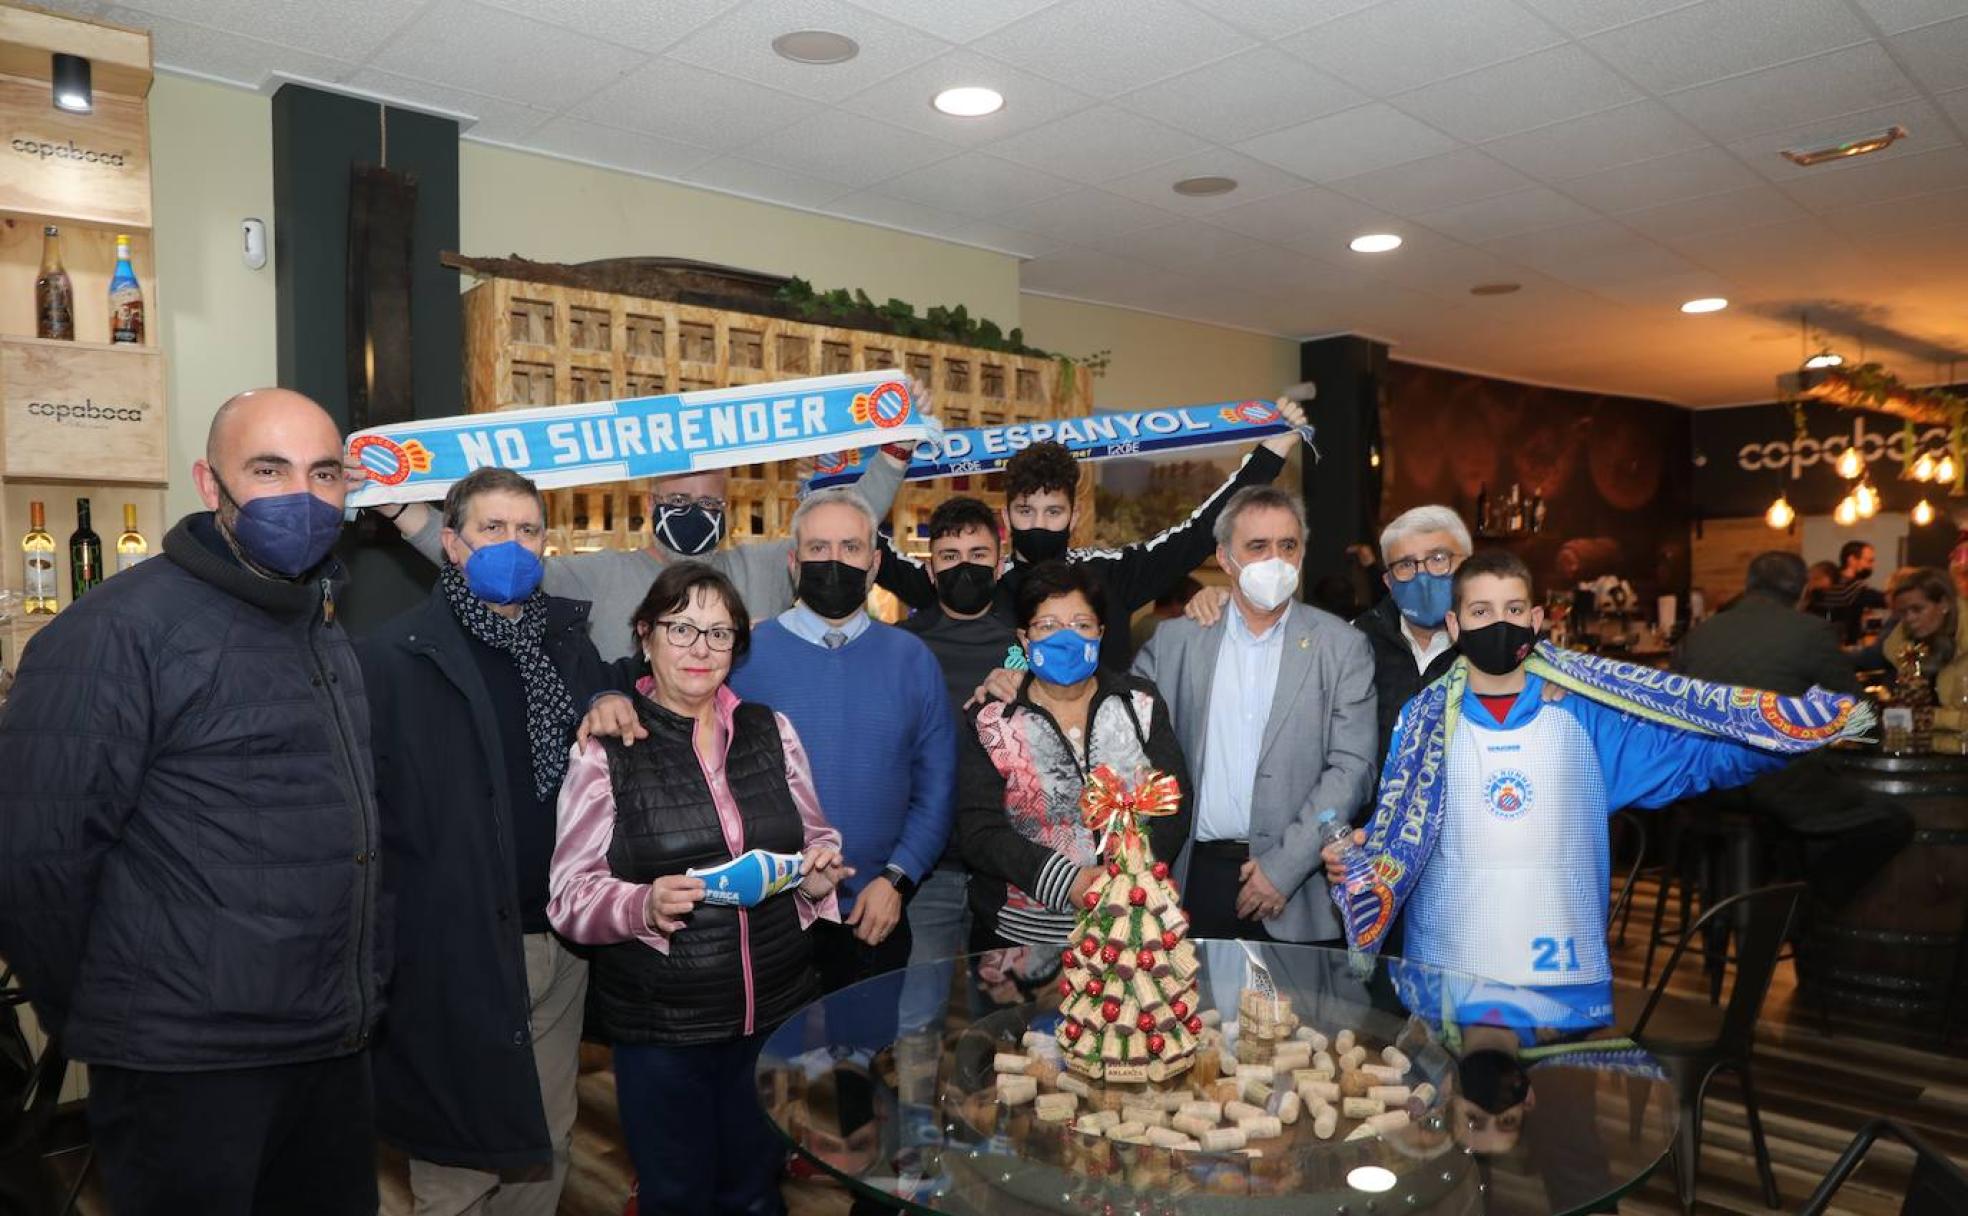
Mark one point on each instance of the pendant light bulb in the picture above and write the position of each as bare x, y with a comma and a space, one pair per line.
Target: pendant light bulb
1944, 471
1866, 499
1923, 513
1849, 465
1847, 513
1923, 468
1781, 514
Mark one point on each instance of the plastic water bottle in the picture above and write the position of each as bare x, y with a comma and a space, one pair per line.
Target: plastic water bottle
1334, 830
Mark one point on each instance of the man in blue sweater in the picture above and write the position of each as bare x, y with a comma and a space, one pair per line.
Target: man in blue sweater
870, 707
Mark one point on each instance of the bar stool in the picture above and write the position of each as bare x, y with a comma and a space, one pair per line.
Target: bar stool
1713, 850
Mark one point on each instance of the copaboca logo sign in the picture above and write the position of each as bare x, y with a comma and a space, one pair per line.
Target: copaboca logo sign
42, 149
1801, 452
87, 412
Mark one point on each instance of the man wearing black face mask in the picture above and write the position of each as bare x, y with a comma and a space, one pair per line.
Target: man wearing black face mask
188, 882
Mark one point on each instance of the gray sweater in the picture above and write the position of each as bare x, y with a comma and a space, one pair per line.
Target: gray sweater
614, 581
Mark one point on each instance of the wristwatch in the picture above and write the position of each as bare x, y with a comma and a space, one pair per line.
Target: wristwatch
899, 879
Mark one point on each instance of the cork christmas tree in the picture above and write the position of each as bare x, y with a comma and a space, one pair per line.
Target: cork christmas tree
1128, 1007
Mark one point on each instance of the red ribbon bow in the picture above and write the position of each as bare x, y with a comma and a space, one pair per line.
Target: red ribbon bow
1107, 798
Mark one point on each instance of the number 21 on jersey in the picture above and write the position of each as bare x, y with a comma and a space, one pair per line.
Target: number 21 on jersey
1554, 954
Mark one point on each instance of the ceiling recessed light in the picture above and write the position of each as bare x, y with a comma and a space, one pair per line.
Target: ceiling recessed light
1374, 242
1204, 187
1372, 1179
1876, 141
70, 75
1495, 289
1824, 359
970, 101
816, 46
1705, 304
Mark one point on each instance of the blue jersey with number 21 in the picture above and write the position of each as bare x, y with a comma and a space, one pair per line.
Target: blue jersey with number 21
1517, 888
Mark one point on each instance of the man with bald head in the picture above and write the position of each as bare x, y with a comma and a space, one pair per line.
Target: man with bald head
188, 887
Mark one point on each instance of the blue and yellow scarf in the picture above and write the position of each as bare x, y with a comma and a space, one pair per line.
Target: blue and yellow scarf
1408, 816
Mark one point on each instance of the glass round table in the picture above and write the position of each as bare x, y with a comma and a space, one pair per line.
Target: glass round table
1505, 1103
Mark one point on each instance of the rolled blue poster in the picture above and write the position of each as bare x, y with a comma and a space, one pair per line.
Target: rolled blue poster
749, 879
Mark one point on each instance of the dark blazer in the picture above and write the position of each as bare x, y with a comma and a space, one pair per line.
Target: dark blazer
1396, 678
455, 1082
1761, 642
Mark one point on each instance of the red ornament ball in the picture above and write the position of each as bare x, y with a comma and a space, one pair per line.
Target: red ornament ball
1088, 946
1159, 869
1113, 869
1110, 954
1066, 957
1072, 1031
1146, 1022
1169, 939
1110, 1010
1065, 987
1155, 1044
1195, 1024
1138, 896
1092, 900
1145, 960
1096, 986
1180, 1008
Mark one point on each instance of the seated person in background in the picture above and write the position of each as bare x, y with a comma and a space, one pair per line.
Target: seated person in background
1024, 764
1494, 801
1166, 607
1850, 597
1821, 576
1930, 616
1765, 641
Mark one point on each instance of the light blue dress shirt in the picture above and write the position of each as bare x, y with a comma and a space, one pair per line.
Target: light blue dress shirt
1239, 706
809, 626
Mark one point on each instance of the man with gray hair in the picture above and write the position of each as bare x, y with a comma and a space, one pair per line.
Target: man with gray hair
1421, 549
1274, 705
869, 704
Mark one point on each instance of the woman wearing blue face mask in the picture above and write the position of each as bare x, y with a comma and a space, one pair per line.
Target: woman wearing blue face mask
1022, 767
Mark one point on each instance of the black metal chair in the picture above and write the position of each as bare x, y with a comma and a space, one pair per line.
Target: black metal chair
1938, 1186
1626, 830
1712, 1041
34, 1088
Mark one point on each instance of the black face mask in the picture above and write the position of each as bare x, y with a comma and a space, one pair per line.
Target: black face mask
688, 531
1040, 544
832, 589
966, 588
1498, 648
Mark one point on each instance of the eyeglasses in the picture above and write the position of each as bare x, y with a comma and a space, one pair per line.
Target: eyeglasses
683, 502
1046, 626
1441, 561
683, 635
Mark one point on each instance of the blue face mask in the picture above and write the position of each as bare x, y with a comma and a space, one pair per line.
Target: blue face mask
505, 573
1424, 599
1064, 658
288, 534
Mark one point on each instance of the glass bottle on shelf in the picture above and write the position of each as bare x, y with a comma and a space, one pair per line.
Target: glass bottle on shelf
126, 303
85, 554
131, 547
1537, 512
54, 295
1483, 509
38, 550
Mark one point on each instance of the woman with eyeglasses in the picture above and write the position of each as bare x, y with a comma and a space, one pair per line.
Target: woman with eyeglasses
1022, 768
687, 989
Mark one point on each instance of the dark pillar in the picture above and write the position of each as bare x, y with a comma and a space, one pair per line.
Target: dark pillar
1342, 487
319, 140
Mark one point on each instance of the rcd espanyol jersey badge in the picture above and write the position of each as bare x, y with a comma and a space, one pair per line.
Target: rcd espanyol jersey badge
1508, 795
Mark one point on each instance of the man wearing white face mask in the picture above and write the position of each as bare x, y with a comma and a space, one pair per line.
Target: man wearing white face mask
1274, 705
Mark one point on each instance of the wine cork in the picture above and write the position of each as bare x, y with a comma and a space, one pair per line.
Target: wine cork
1325, 1122
1014, 1090
1352, 1059
1007, 1063
1090, 1124
1261, 1127
1147, 1116
1384, 1074
1106, 1118
1362, 1132
1261, 1072
1392, 1095
1354, 1084
1285, 1104
1225, 1090
1164, 1137
1316, 1092
1301, 1075
1222, 1139
1343, 1041
1323, 1061
1254, 1091
1361, 1108
1237, 1112
1213, 1111
1192, 1125
1319, 1041
1056, 1108
1035, 1040
1172, 1100
1068, 1083
1424, 1093
1045, 1070
1388, 1121
1396, 1058
1292, 1055
1126, 1131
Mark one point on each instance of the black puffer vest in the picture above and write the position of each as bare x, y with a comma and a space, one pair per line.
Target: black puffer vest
729, 971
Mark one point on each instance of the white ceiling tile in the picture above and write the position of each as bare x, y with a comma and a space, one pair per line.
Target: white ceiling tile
1956, 104
954, 20
677, 101
1837, 82
1088, 274
1276, 18
1927, 132
1155, 186
1637, 265
1096, 145
1082, 216
876, 207
1247, 94
770, 183
989, 235
631, 23
1623, 135
905, 99
617, 149
1310, 217
846, 147
1709, 170
1110, 46
1568, 242
1941, 169
1404, 44
1433, 263
337, 29
469, 46
1664, 293
1506, 215
224, 55
1550, 86
1433, 182
1349, 143
974, 185
497, 120
1937, 55
740, 44
1754, 253
1704, 42
1582, 17
1943, 209
76, 8
1899, 16
1749, 207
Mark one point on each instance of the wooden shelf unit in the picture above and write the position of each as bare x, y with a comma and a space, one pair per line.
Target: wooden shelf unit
531, 344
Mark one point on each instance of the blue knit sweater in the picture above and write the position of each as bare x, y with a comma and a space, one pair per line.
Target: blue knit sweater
877, 727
